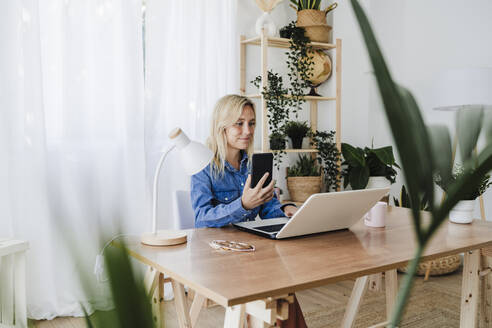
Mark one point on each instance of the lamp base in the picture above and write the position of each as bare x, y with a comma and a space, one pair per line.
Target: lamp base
164, 238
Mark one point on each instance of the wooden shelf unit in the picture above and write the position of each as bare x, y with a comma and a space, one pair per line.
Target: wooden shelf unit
285, 43
264, 42
317, 98
302, 150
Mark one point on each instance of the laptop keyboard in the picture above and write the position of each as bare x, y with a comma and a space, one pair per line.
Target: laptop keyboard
270, 228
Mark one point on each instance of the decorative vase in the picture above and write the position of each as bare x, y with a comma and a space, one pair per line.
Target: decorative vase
265, 21
321, 69
462, 212
300, 188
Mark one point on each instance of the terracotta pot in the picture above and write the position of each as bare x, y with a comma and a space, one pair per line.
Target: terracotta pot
300, 188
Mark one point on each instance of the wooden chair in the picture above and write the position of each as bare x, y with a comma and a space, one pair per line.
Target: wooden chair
13, 283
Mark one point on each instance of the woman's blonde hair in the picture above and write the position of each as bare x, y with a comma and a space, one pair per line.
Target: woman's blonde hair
226, 113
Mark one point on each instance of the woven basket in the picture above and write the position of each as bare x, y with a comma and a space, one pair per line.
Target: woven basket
314, 22
440, 266
300, 188
308, 17
318, 33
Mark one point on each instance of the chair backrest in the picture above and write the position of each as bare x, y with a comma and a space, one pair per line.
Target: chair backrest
184, 214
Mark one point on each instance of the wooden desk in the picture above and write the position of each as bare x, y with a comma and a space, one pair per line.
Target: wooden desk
284, 266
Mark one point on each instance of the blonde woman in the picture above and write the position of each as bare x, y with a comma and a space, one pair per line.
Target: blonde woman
221, 193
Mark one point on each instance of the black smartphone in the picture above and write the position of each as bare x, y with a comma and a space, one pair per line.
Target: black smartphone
260, 164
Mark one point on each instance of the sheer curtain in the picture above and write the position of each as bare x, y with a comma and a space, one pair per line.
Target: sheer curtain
192, 59
78, 134
72, 161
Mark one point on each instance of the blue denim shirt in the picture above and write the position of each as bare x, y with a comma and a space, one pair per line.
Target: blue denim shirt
217, 202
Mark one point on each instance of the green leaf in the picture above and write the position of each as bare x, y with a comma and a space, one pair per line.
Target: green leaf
468, 126
358, 177
441, 151
488, 126
404, 198
485, 154
129, 297
385, 155
87, 317
353, 156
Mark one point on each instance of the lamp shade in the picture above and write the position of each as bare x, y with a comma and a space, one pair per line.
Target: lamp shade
193, 155
458, 88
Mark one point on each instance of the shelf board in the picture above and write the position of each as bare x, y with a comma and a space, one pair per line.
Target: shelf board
290, 151
305, 97
284, 43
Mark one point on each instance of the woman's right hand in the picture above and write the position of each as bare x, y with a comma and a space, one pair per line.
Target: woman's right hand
254, 197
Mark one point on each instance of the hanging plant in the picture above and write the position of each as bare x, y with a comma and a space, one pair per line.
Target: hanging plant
278, 106
328, 157
300, 65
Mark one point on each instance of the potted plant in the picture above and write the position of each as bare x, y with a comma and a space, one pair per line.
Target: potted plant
368, 167
296, 131
303, 179
313, 20
277, 141
462, 212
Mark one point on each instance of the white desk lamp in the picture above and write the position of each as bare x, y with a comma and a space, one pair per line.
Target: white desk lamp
194, 157
466, 88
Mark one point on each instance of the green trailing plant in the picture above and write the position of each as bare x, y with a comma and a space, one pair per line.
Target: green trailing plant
305, 166
296, 131
328, 157
278, 106
424, 152
360, 164
300, 65
404, 200
458, 173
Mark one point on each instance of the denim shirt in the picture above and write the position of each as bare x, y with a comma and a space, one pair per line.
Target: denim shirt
217, 202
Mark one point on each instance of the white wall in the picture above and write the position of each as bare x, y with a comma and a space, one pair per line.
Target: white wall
419, 39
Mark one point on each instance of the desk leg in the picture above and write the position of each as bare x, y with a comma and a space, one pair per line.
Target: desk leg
181, 305
470, 290
234, 317
196, 307
486, 289
375, 282
391, 284
353, 305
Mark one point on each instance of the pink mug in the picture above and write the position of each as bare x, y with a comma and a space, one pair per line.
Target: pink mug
376, 217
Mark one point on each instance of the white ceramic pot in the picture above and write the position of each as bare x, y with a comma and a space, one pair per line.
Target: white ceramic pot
378, 182
305, 143
462, 212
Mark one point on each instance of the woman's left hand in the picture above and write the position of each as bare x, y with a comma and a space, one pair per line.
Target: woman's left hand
290, 210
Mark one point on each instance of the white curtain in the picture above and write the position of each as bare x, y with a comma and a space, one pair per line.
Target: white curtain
79, 137
192, 59
72, 160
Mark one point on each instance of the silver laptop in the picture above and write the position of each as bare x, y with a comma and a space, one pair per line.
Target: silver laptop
319, 213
